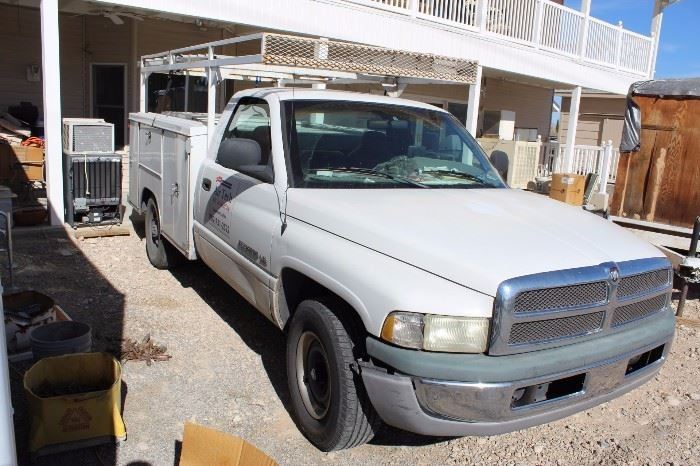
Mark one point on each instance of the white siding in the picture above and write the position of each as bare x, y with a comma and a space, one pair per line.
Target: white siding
95, 39
20, 45
599, 119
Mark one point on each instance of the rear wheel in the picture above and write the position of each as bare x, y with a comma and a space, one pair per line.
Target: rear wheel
329, 400
161, 254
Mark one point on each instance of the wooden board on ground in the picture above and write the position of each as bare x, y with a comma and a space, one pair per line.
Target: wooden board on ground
101, 231
688, 322
661, 182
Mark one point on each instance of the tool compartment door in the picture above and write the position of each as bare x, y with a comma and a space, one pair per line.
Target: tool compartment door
174, 221
134, 189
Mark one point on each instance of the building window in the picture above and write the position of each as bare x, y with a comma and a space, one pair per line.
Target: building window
492, 121
458, 110
526, 134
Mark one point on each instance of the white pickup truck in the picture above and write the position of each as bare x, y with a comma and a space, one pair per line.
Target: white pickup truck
413, 286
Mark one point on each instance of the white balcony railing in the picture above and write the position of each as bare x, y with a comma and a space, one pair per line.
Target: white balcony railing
587, 159
538, 23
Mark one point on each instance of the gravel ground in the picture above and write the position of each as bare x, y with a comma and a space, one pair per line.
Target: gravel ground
227, 372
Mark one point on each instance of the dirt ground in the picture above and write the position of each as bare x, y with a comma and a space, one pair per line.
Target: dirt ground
227, 372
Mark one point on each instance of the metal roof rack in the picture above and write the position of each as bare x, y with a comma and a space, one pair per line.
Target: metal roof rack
283, 59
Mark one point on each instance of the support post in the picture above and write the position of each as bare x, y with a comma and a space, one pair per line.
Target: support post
618, 45
583, 38
605, 167
655, 35
211, 97
51, 83
8, 454
134, 64
413, 7
187, 91
473, 105
143, 88
568, 165
537, 29
482, 7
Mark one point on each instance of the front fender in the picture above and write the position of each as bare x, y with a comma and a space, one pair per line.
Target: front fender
373, 283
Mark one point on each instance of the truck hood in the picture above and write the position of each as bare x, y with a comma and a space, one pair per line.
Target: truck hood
475, 237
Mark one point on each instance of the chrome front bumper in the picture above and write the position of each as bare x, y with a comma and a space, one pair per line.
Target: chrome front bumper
430, 406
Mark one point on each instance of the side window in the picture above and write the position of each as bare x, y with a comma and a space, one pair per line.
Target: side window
250, 122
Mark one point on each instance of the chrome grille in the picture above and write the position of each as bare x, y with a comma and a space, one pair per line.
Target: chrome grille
577, 302
638, 310
547, 299
642, 283
554, 329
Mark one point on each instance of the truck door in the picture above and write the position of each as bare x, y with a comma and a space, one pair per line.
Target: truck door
237, 214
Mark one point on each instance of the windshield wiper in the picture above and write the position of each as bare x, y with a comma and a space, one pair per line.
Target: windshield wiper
371, 171
457, 174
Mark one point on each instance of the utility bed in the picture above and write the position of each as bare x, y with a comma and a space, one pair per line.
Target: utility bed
166, 152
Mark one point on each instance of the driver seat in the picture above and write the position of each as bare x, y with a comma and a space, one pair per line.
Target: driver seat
373, 150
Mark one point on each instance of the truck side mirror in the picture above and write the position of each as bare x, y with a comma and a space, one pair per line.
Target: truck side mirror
245, 156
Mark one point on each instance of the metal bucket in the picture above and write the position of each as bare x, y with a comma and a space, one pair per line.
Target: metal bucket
60, 338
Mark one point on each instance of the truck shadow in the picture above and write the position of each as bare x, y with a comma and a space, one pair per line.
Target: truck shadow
48, 261
266, 340
255, 330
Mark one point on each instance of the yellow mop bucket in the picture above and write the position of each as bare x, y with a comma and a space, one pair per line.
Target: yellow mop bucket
74, 402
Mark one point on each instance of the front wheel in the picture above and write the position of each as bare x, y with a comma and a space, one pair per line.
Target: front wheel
329, 400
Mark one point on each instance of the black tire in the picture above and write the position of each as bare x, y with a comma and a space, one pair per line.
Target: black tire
334, 412
161, 254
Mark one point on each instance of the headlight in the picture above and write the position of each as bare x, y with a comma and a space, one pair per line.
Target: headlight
437, 333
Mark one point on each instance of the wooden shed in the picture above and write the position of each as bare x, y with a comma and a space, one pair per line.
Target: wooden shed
658, 177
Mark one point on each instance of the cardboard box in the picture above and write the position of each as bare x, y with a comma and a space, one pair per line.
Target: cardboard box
202, 446
74, 402
568, 187
20, 163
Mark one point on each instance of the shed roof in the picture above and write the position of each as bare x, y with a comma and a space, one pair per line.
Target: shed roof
687, 87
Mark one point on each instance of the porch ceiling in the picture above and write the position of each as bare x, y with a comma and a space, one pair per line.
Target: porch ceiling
532, 67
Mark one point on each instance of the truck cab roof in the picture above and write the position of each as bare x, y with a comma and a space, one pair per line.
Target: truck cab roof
296, 93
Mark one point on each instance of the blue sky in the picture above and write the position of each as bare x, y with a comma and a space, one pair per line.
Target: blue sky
679, 51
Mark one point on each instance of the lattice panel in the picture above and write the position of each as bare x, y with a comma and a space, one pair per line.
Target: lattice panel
343, 56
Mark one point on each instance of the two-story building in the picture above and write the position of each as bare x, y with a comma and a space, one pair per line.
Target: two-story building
76, 58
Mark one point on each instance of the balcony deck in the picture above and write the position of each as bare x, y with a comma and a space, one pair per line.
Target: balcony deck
540, 24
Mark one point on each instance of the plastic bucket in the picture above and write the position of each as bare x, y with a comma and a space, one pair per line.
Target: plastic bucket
60, 338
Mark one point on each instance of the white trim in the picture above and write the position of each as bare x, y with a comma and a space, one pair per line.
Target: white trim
125, 67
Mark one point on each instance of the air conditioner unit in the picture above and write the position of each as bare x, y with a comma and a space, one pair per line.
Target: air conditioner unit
93, 188
87, 135
522, 164
516, 161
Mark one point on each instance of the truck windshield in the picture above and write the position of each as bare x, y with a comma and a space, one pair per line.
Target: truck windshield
346, 144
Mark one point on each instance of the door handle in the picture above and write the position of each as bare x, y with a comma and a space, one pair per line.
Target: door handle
206, 184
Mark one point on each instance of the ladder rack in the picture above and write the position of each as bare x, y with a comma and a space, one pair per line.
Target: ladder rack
283, 59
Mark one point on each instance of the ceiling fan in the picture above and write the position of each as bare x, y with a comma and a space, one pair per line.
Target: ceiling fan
116, 16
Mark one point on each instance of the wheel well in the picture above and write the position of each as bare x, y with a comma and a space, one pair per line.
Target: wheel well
145, 196
296, 287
